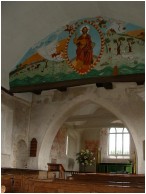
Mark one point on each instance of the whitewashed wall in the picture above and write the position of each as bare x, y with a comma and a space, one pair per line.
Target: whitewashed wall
15, 117
56, 107
52, 108
65, 146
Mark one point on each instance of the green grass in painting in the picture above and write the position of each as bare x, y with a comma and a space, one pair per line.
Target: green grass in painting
107, 71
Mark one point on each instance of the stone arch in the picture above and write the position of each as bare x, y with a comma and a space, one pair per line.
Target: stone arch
65, 111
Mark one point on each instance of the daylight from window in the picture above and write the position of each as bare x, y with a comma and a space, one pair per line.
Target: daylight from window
119, 143
67, 145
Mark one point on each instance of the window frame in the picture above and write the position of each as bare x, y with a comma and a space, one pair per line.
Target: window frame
116, 155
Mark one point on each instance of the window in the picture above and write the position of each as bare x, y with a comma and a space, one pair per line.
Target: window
67, 145
71, 146
119, 143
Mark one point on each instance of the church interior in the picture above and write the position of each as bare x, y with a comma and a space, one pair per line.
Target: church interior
73, 96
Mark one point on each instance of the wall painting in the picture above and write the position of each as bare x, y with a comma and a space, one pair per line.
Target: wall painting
84, 49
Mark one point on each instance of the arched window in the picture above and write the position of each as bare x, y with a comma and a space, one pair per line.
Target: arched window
119, 143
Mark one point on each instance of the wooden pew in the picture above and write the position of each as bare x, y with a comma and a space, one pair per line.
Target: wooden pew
101, 177
57, 186
74, 186
28, 182
16, 180
6, 180
114, 182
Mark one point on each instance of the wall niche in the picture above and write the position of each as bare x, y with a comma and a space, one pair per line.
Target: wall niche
33, 147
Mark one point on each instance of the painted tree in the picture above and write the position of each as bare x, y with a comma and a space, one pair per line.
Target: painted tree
130, 41
107, 40
119, 43
102, 23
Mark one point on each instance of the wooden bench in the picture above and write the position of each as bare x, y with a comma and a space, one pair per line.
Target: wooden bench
101, 177
16, 180
28, 182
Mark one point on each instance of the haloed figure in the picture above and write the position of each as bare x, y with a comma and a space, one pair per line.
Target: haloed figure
84, 52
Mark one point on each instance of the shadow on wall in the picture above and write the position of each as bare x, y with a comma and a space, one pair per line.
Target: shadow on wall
71, 163
21, 154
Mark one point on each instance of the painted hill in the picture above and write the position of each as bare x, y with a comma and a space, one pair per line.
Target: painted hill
34, 58
137, 34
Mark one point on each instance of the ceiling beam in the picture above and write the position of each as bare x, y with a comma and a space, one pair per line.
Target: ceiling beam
99, 126
107, 85
38, 92
7, 91
91, 117
71, 83
62, 89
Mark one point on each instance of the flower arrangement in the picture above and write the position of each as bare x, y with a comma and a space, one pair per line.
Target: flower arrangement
85, 157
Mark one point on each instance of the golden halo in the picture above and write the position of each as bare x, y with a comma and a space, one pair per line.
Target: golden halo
83, 27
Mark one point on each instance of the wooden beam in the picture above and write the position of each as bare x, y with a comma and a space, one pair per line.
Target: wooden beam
71, 83
99, 85
7, 91
38, 92
100, 125
62, 89
91, 117
108, 85
140, 83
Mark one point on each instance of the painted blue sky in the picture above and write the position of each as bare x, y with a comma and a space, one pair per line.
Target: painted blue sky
61, 34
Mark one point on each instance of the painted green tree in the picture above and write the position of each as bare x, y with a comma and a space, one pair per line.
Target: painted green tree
130, 42
119, 43
107, 41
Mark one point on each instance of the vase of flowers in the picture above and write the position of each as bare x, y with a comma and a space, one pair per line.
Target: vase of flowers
85, 158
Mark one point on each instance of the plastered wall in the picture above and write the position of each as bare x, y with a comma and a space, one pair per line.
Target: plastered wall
122, 101
14, 129
43, 118
65, 146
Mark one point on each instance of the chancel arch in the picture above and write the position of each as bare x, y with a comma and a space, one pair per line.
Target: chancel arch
112, 105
